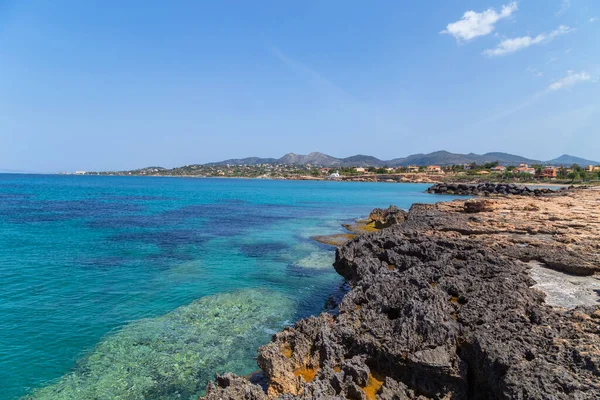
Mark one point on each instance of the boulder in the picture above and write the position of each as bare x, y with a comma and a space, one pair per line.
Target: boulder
476, 206
384, 218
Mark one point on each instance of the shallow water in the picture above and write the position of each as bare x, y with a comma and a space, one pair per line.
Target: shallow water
144, 288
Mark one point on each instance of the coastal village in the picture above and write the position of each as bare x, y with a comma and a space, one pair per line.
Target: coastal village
471, 172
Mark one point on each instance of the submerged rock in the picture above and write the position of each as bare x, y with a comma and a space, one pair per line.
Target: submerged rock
442, 306
337, 239
173, 356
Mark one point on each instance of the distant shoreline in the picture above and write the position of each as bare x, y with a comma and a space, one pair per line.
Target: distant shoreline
396, 178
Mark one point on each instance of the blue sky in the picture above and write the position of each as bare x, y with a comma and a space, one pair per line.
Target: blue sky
97, 85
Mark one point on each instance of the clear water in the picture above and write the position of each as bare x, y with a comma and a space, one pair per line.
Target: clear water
144, 288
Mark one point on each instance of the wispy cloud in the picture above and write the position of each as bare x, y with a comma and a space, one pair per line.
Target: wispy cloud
572, 78
309, 72
564, 6
593, 19
534, 71
508, 46
474, 24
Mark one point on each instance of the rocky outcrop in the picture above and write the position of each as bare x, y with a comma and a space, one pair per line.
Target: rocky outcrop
232, 387
384, 218
378, 219
488, 189
442, 307
476, 206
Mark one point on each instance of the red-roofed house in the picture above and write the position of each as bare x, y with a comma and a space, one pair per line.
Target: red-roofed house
549, 172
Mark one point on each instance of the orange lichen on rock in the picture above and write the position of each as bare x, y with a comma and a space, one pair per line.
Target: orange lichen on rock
361, 226
374, 383
286, 350
370, 227
391, 267
307, 373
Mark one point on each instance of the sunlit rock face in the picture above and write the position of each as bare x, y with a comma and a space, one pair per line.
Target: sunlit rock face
565, 290
174, 356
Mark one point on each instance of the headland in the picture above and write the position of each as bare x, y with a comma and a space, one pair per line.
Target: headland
457, 300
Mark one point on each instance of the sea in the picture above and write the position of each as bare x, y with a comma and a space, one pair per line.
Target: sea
146, 287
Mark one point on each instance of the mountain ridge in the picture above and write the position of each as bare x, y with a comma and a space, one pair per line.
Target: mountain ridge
441, 157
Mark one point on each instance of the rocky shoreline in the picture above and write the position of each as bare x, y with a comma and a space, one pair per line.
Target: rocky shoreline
443, 306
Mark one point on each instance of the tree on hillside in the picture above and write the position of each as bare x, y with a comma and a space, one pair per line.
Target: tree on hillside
490, 165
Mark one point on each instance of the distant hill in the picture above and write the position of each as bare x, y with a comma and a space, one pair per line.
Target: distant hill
446, 158
566, 159
441, 158
245, 161
314, 158
508, 159
360, 160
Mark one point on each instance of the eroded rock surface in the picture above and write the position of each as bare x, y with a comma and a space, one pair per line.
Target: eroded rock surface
384, 218
442, 306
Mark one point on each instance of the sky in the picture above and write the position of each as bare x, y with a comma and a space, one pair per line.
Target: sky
112, 85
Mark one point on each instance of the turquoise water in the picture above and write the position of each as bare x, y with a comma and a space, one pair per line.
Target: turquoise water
144, 288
